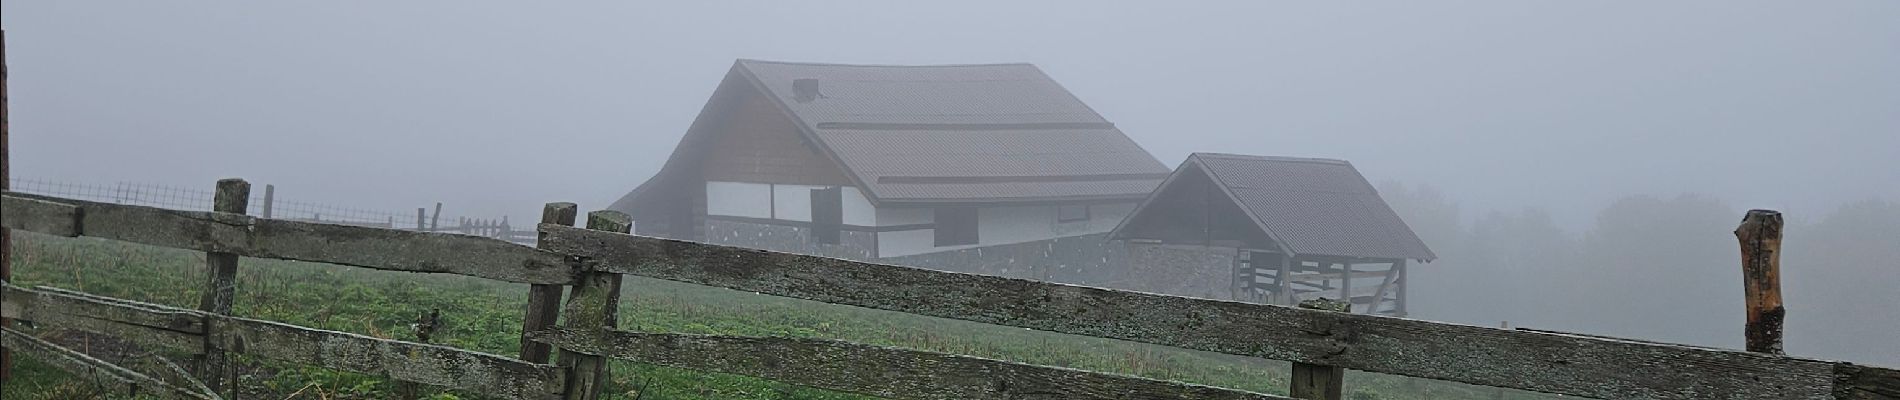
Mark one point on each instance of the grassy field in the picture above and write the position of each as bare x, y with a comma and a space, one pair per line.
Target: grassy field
485, 316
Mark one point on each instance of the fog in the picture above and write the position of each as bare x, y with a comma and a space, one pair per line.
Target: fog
1577, 165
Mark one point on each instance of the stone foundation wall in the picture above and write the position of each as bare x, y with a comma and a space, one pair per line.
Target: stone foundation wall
1196, 271
1083, 260
852, 245
1090, 260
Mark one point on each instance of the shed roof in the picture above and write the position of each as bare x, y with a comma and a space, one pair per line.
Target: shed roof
1308, 205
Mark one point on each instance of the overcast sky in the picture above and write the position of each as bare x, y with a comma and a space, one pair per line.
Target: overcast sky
497, 108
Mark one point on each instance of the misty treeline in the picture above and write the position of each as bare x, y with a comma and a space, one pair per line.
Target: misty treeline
1659, 268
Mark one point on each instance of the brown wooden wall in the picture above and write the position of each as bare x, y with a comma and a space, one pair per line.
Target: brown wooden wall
758, 143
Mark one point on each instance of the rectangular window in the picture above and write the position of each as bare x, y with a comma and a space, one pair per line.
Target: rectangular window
955, 226
827, 215
1072, 213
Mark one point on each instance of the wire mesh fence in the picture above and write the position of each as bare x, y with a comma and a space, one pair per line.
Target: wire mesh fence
119, 193
266, 205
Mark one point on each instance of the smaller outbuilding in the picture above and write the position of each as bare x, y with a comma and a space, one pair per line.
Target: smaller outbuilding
1296, 229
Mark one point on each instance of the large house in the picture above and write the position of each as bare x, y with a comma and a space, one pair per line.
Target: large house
947, 166
1275, 229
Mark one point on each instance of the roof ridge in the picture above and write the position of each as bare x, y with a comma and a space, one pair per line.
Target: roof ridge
1272, 158
819, 64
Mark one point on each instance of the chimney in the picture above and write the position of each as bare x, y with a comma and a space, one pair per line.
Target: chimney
805, 89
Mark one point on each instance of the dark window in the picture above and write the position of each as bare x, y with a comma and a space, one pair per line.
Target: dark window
1074, 213
827, 215
955, 226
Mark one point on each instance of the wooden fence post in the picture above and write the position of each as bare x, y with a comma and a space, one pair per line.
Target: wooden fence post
1284, 293
544, 301
6, 177
435, 217
422, 216
591, 309
270, 191
232, 196
1404, 280
1319, 382
1760, 237
424, 329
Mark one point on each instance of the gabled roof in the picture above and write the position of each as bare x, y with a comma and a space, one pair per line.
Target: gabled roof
1306, 205
954, 133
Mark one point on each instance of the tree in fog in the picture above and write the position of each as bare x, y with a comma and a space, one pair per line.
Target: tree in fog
1841, 278
1515, 256
1438, 290
1657, 268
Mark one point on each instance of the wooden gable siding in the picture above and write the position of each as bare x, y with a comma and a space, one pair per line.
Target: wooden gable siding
1192, 210
757, 143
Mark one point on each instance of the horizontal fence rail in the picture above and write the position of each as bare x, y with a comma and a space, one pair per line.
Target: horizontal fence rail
881, 371
142, 323
1544, 362
112, 380
1539, 361
385, 249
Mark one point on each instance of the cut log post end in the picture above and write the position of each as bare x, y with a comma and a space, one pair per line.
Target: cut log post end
1760, 239
1319, 382
609, 220
555, 212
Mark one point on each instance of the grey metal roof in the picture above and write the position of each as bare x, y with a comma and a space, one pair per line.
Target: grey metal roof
961, 133
1315, 206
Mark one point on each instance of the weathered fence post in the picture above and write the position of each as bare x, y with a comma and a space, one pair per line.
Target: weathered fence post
1284, 294
6, 235
1345, 284
1760, 237
422, 216
544, 301
232, 196
424, 328
270, 192
591, 309
1319, 382
1402, 282
435, 217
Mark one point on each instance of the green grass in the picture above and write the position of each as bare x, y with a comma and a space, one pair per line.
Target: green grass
486, 315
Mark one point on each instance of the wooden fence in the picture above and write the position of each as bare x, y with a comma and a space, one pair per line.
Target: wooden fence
590, 261
489, 228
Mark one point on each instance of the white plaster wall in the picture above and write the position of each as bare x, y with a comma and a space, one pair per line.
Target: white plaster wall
857, 208
738, 199
903, 216
793, 202
995, 226
785, 202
